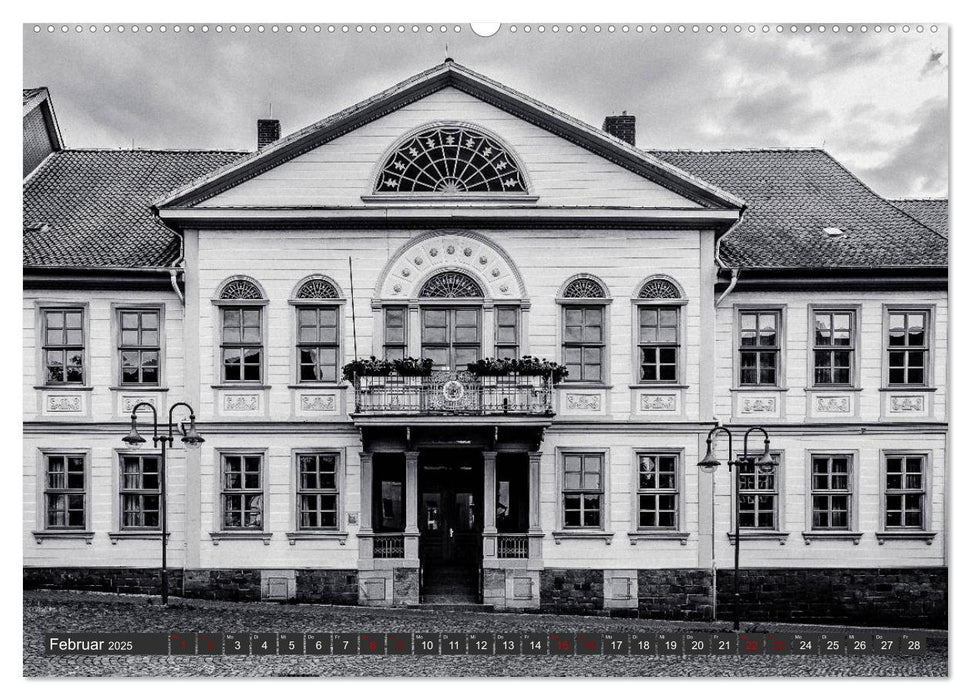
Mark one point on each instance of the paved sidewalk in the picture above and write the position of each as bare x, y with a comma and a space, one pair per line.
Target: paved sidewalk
65, 611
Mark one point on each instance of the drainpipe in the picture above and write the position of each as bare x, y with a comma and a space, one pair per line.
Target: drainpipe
174, 271
731, 286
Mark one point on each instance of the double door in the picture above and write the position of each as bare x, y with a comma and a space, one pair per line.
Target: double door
450, 515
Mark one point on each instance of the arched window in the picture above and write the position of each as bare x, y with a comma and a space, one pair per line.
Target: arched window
658, 322
451, 160
318, 347
584, 288
241, 289
451, 285
659, 289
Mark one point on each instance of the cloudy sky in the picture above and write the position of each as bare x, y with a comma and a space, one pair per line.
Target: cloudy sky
877, 102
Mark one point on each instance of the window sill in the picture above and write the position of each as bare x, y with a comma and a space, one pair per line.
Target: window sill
831, 388
582, 385
242, 385
560, 535
658, 385
64, 387
320, 536
217, 537
928, 537
137, 535
645, 535
808, 537
319, 385
759, 535
908, 387
759, 388
137, 387
41, 535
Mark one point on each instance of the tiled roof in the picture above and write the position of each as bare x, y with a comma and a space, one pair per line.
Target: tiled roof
930, 212
792, 196
92, 208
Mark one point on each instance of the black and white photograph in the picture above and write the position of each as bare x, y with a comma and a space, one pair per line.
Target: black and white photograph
557, 349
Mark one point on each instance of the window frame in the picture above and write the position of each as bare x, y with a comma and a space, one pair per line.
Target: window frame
338, 489
405, 330
242, 305
677, 491
636, 346
603, 491
450, 306
781, 339
43, 526
122, 491
316, 306
516, 309
778, 492
929, 311
856, 313
852, 491
604, 305
220, 510
41, 316
116, 311
927, 482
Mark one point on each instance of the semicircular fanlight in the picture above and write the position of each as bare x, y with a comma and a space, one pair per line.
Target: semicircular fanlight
451, 160
584, 288
241, 289
317, 289
659, 289
451, 285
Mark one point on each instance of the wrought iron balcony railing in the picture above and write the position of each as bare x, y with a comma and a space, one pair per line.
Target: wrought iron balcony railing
512, 546
451, 392
389, 546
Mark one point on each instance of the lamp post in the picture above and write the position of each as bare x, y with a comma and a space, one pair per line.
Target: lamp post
190, 437
763, 465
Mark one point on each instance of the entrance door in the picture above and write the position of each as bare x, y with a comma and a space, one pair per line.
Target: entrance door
450, 509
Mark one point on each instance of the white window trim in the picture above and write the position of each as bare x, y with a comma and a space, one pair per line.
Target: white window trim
852, 531
41, 531
929, 383
857, 311
781, 380
116, 309
748, 533
927, 534
679, 531
218, 533
40, 330
603, 532
339, 532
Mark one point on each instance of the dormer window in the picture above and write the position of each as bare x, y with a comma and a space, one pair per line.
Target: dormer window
451, 160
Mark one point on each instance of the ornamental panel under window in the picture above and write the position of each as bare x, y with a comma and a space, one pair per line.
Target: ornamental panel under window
833, 348
905, 491
758, 497
318, 343
658, 342
65, 492
242, 343
907, 348
139, 346
140, 491
242, 492
63, 346
317, 491
759, 348
451, 160
583, 490
831, 492
657, 491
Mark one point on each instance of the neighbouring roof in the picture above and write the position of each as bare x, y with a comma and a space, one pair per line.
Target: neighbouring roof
793, 197
93, 208
930, 212
30, 93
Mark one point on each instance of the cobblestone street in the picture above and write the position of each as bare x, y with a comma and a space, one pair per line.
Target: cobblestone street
47, 611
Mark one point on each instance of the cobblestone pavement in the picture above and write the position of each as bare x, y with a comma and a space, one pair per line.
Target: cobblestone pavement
50, 611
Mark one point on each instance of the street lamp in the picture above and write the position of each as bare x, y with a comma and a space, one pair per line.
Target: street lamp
191, 437
763, 465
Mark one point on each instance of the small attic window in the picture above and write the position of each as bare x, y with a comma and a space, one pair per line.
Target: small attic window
834, 232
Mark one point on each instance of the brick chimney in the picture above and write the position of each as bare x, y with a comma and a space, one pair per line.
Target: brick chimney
267, 131
621, 126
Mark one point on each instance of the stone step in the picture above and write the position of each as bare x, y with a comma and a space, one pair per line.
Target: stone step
453, 607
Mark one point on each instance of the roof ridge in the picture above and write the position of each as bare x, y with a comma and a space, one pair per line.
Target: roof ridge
153, 150
775, 149
917, 199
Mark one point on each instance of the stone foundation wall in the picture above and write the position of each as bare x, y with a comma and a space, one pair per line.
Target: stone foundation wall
574, 591
872, 597
106, 579
334, 586
223, 584
674, 594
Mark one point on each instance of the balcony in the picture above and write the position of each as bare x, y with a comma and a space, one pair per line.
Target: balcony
453, 393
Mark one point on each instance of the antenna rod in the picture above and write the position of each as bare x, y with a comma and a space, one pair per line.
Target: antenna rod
350, 265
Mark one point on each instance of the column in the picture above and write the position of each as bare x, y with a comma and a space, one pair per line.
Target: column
535, 543
489, 493
411, 505
365, 543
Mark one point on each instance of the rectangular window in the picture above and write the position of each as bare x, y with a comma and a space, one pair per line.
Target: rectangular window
242, 492
317, 492
833, 347
583, 490
657, 491
318, 343
507, 332
831, 492
242, 343
451, 337
758, 348
906, 488
659, 343
64, 346
65, 492
140, 491
395, 333
139, 346
583, 343
758, 497
907, 347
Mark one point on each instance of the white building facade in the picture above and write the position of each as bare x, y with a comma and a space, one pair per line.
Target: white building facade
453, 219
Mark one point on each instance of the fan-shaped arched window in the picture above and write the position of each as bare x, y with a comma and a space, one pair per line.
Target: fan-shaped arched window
317, 289
451, 160
451, 285
584, 288
659, 289
241, 289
